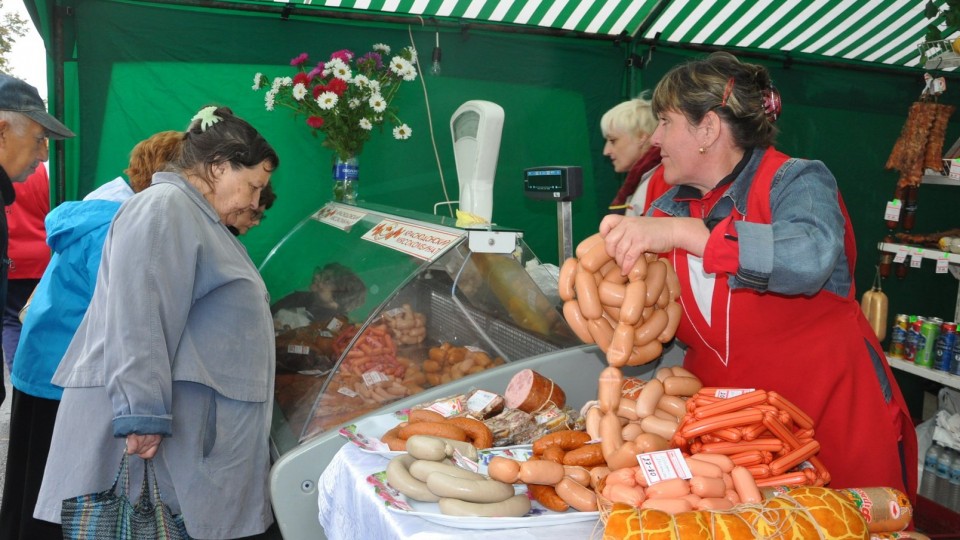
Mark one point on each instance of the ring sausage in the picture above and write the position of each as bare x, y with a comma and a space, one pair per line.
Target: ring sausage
476, 491
424, 415
588, 455
438, 448
421, 469
437, 429
567, 440
398, 476
516, 506
547, 496
477, 432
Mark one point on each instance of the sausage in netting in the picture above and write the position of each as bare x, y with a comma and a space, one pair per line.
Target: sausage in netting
656, 279
565, 283
573, 316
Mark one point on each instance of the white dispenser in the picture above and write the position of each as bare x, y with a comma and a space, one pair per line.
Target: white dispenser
476, 127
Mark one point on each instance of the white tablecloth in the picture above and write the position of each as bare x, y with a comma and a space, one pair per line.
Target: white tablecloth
350, 508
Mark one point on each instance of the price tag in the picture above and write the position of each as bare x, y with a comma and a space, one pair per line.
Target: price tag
943, 263
901, 254
663, 465
916, 258
347, 392
479, 400
892, 212
371, 378
298, 349
731, 392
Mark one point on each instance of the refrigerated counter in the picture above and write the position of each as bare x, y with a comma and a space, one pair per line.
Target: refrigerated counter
379, 309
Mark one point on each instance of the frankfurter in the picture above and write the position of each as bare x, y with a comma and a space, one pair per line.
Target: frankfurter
736, 418
725, 463
565, 282
516, 506
646, 353
672, 405
609, 386
588, 295
668, 489
671, 506
504, 469
627, 409
707, 487
624, 456
637, 272
651, 328
651, 442
611, 294
586, 244
656, 279
745, 485
573, 316
579, 475
799, 417
610, 434
699, 467
601, 331
631, 430
540, 472
681, 385
576, 495
735, 403
593, 416
597, 474
621, 345
659, 426
672, 280
633, 302
792, 458
674, 313
649, 396
594, 258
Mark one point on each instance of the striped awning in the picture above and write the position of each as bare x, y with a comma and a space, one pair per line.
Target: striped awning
884, 32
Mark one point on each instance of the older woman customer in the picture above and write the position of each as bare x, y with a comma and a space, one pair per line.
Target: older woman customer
174, 359
765, 255
627, 128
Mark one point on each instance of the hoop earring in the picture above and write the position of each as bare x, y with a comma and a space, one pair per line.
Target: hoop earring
702, 150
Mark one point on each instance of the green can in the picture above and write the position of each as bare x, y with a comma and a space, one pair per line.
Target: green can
927, 342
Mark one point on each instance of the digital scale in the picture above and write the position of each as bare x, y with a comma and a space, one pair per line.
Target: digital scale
557, 183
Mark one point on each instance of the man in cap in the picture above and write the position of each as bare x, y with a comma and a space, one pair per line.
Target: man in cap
25, 127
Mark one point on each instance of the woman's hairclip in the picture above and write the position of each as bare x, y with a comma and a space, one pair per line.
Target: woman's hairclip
727, 90
206, 117
772, 106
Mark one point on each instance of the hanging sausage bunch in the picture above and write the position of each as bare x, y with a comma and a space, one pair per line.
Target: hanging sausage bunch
630, 317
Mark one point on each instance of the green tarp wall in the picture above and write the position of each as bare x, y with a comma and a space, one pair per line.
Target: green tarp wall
135, 68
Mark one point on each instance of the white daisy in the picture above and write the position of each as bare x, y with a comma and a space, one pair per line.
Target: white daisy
382, 48
299, 91
377, 103
258, 81
365, 124
277, 83
374, 86
402, 132
409, 74
286, 81
361, 80
270, 99
353, 103
413, 54
327, 100
398, 64
333, 65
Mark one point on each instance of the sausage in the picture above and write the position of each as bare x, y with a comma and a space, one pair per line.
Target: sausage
748, 399
625, 494
659, 426
567, 440
554, 454
799, 417
631, 431
634, 296
725, 463
477, 432
622, 457
516, 506
663, 373
663, 299
726, 420
647, 353
649, 397
672, 280
656, 279
609, 386
588, 455
577, 496
421, 469
476, 491
699, 467
540, 472
714, 503
694, 500
586, 244
672, 405
651, 328
610, 434
436, 429
627, 409
547, 496
438, 448
674, 314
579, 475
611, 294
668, 489
626, 477
392, 439
621, 345
504, 469
424, 415
671, 506
399, 477
651, 442
601, 331
707, 487
593, 416
638, 272
783, 463
587, 294
597, 474
594, 258
565, 283
573, 316
681, 386
745, 485
788, 479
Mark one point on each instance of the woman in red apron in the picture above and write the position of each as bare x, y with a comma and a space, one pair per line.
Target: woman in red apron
765, 254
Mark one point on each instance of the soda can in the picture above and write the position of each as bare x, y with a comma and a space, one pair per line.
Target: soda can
913, 335
927, 342
946, 343
899, 335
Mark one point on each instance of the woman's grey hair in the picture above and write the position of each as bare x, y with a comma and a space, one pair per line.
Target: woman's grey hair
634, 116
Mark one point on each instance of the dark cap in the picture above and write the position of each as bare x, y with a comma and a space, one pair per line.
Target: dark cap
18, 96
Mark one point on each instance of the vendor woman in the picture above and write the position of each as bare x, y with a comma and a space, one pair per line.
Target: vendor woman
765, 253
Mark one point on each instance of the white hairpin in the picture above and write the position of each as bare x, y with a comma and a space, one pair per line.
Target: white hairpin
206, 117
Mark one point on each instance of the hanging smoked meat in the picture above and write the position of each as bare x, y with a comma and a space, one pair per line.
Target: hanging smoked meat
933, 158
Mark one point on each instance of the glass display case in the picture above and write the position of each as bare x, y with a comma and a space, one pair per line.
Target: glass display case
372, 305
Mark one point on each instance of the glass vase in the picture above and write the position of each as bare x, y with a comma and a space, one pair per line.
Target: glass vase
346, 177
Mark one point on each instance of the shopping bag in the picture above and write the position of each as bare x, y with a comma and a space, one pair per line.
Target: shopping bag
110, 515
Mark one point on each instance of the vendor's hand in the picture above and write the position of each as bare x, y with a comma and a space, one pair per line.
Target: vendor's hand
628, 238
144, 446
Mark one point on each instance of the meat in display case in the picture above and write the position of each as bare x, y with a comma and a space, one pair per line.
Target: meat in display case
372, 305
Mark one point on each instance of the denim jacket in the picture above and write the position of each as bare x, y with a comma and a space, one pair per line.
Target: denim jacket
802, 250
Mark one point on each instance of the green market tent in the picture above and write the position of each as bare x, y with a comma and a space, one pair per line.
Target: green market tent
121, 70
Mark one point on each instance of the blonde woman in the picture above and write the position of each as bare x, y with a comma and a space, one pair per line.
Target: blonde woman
627, 128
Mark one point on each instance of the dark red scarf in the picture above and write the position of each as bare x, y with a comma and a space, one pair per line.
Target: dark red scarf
647, 161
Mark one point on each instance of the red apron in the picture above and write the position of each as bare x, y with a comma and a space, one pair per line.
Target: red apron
812, 350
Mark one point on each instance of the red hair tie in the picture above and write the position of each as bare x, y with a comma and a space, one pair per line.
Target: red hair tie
727, 91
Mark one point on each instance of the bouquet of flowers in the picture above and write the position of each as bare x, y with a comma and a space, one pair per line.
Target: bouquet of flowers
345, 96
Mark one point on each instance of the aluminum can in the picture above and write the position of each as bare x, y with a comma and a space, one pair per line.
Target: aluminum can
946, 343
927, 342
899, 335
913, 335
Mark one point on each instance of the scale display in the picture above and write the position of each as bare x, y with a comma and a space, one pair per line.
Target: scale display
553, 183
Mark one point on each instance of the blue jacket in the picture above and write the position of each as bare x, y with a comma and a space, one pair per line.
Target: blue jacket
75, 232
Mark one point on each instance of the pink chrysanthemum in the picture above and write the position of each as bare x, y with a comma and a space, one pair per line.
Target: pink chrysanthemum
345, 54
299, 59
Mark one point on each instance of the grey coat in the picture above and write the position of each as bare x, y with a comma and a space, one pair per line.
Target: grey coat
178, 340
